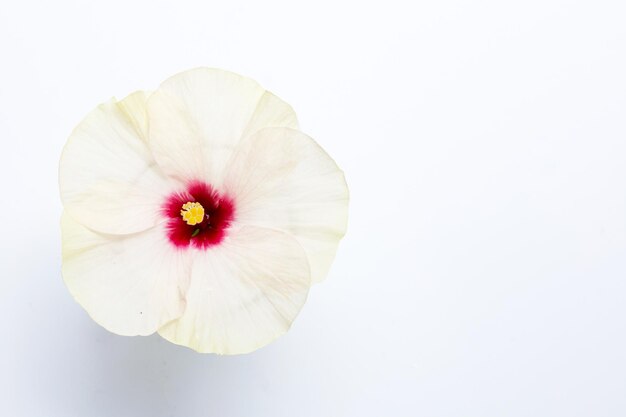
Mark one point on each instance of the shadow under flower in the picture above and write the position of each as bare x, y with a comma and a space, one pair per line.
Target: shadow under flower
60, 362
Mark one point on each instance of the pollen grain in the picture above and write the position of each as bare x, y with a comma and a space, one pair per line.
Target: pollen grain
192, 213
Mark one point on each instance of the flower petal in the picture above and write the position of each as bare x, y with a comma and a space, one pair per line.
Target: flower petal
198, 117
130, 284
283, 180
243, 293
108, 179
271, 112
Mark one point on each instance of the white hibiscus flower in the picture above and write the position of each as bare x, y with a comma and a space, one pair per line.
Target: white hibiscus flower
199, 211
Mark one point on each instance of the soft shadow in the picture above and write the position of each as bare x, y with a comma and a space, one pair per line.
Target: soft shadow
65, 364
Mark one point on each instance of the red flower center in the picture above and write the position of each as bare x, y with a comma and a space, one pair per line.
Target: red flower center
219, 211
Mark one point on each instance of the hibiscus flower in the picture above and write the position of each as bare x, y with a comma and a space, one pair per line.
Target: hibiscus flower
198, 211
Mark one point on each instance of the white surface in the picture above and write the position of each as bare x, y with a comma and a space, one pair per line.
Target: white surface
483, 271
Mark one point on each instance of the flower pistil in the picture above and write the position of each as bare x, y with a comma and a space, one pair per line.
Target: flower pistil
192, 213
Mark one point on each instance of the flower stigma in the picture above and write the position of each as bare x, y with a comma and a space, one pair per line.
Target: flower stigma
192, 213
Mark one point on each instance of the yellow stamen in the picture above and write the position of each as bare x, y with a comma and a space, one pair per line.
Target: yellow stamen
192, 213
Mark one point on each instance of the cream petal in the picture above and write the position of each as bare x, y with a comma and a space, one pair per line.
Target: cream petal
131, 284
243, 293
198, 117
108, 178
271, 111
281, 179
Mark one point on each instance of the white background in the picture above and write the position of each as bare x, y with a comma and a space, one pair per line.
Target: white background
483, 273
